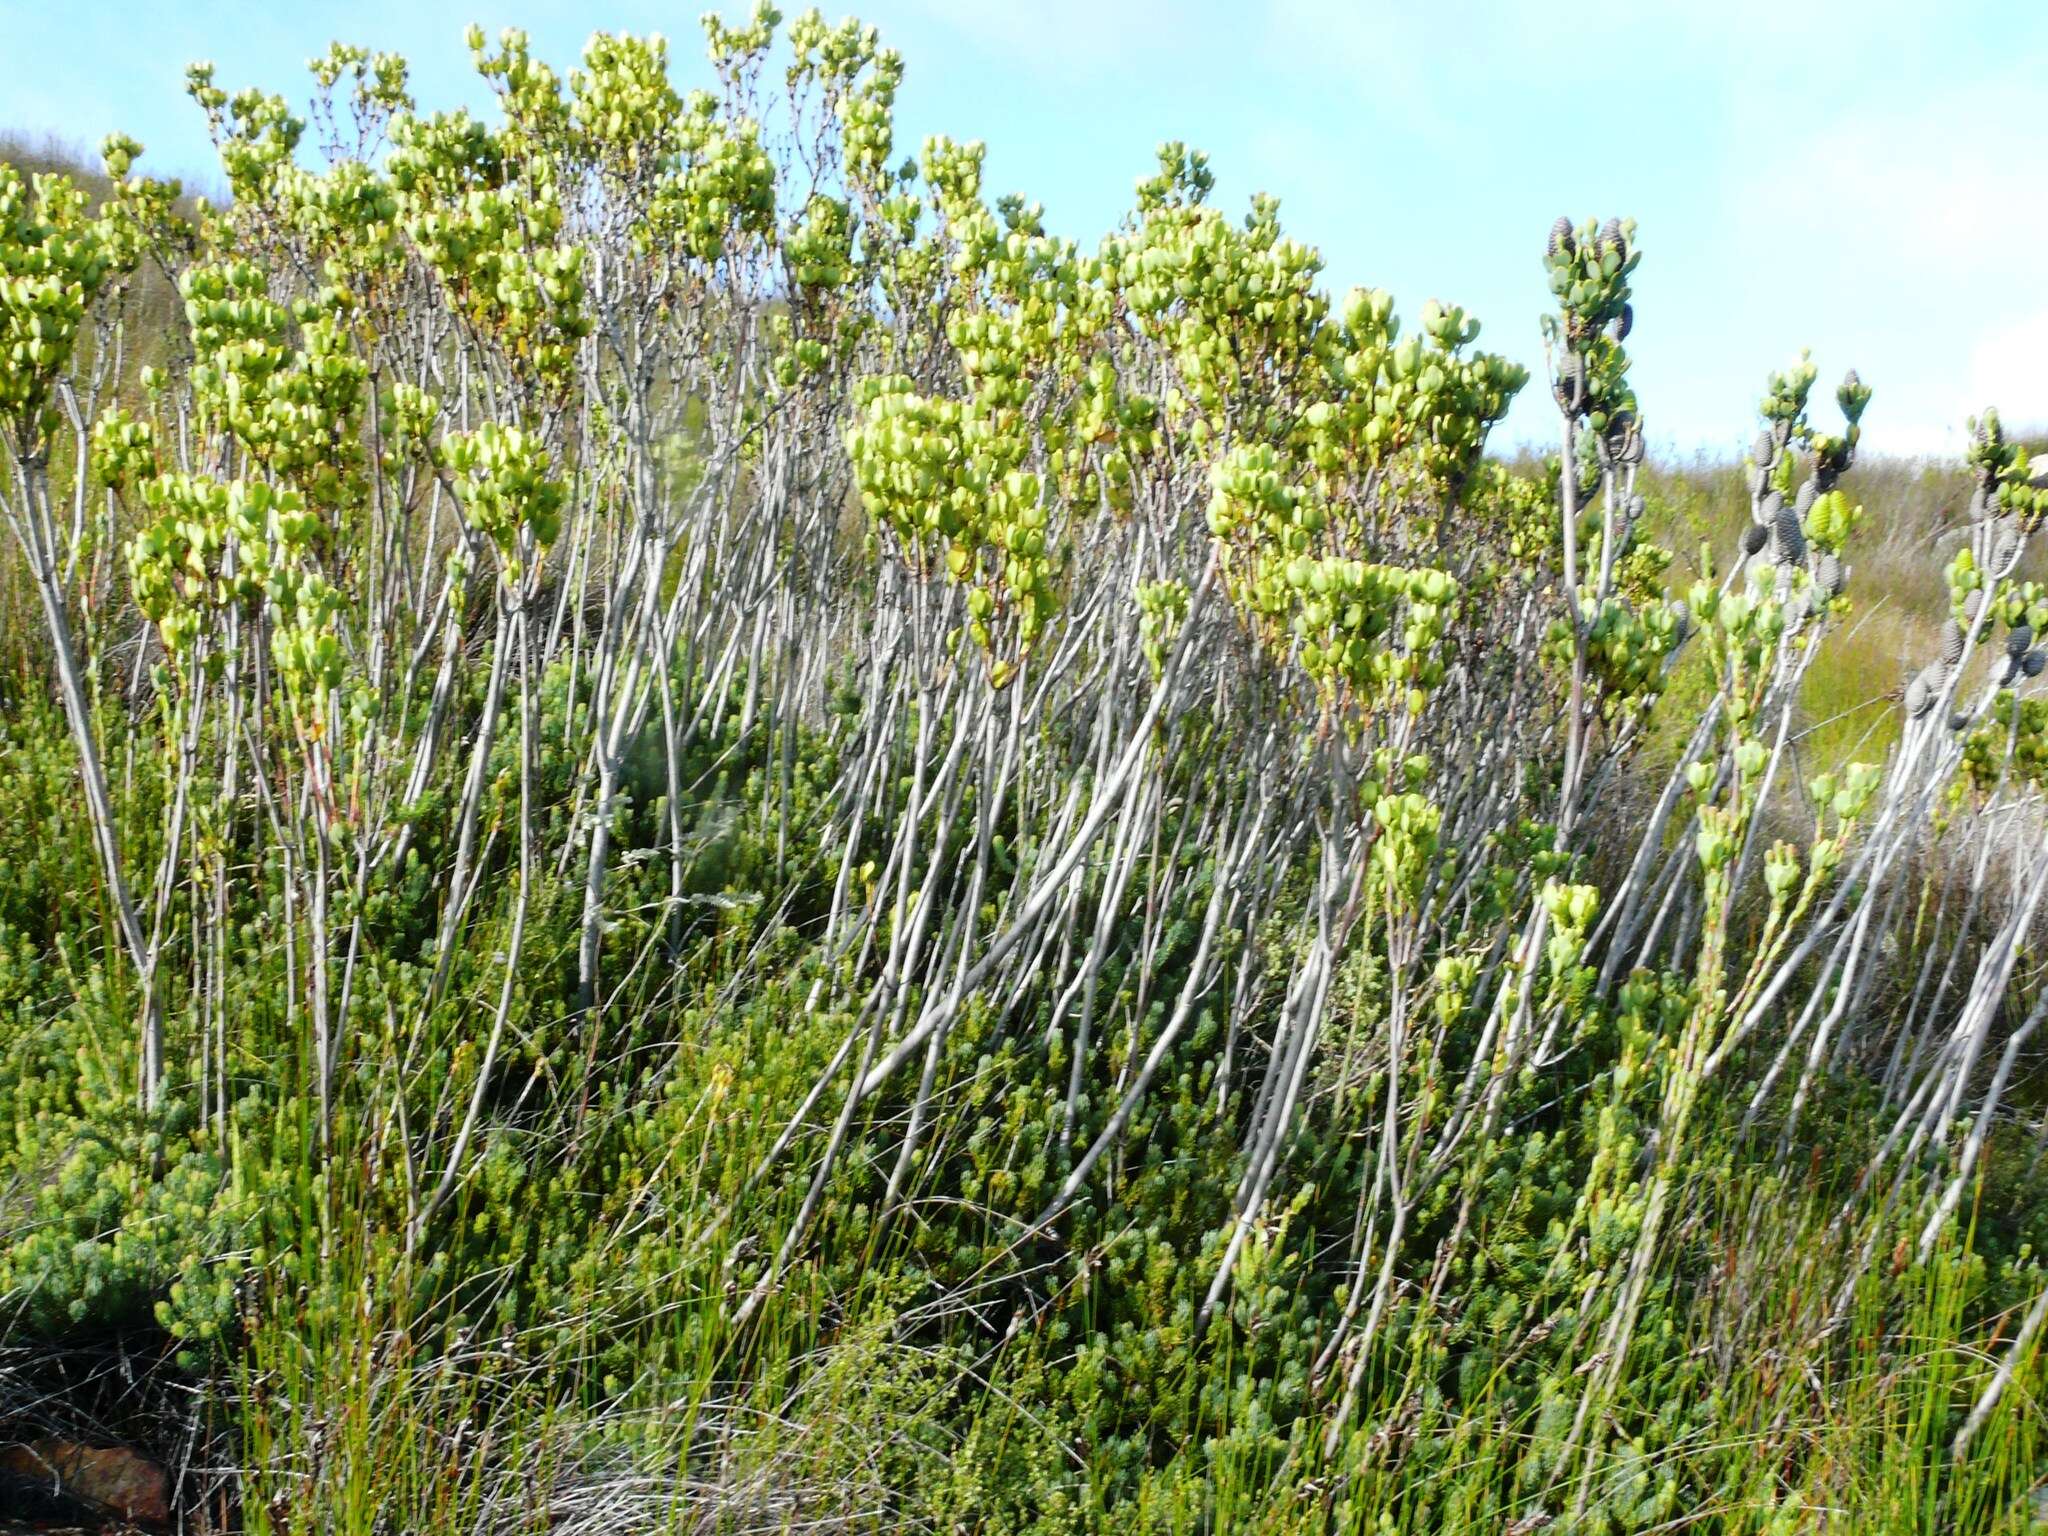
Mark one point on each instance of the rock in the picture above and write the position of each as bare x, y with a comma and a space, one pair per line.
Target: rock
108, 1479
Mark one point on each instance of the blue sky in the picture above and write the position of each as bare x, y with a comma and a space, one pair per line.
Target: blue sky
1869, 180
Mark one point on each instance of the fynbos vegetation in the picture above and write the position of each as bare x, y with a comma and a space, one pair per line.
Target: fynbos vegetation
696, 833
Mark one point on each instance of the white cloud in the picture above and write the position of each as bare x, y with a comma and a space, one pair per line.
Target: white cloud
2008, 368
1920, 226
1946, 188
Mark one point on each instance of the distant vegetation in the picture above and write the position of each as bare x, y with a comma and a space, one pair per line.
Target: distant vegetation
697, 835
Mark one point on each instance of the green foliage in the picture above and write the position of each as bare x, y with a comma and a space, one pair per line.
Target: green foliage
758, 840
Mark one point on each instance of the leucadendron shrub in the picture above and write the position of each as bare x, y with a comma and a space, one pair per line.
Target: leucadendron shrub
698, 831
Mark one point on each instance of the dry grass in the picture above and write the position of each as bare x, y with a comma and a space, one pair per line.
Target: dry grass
1914, 511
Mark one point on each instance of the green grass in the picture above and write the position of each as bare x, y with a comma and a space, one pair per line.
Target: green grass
568, 1354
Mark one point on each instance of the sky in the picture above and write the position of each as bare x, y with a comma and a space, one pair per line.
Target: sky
1868, 180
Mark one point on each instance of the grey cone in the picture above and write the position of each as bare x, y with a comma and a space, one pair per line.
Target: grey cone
1923, 691
1788, 538
1952, 639
2005, 545
1919, 698
1571, 381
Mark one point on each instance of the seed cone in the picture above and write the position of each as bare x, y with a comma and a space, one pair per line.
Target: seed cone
1919, 698
1788, 537
1831, 574
2005, 545
1952, 639
1923, 691
1571, 382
